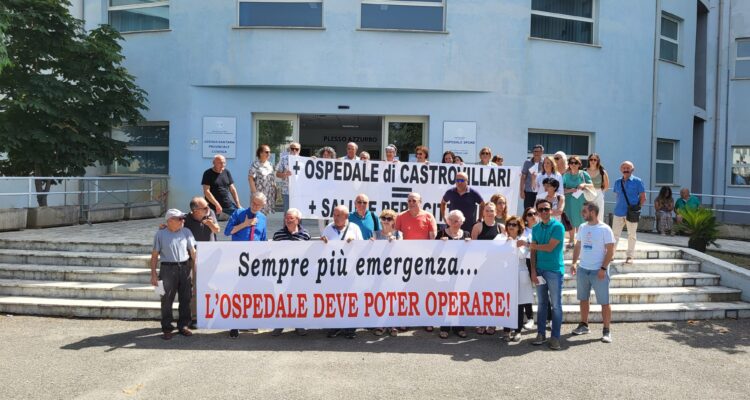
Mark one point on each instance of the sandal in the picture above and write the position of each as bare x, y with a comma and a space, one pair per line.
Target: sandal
490, 330
394, 332
378, 331
461, 334
429, 328
480, 330
443, 335
629, 260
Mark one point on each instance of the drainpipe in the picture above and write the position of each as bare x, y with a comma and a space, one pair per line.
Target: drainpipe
717, 105
655, 92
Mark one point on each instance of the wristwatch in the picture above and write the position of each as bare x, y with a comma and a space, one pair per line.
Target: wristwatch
603, 268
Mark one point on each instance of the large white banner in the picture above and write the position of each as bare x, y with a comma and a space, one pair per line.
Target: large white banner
244, 285
317, 186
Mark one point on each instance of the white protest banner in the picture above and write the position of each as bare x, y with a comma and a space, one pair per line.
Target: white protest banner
316, 186
244, 285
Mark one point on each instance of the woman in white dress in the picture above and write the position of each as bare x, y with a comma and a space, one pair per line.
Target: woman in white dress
514, 230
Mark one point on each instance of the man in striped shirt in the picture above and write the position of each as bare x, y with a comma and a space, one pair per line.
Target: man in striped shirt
292, 230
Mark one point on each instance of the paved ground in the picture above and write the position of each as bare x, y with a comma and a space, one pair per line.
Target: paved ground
95, 359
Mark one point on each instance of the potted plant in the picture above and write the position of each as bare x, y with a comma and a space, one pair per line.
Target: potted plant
700, 225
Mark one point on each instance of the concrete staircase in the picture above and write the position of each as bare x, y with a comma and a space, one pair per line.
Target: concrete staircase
110, 280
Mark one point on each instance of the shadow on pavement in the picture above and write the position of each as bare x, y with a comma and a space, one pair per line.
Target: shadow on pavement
474, 347
729, 336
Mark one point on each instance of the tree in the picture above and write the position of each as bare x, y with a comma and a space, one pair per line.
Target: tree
61, 92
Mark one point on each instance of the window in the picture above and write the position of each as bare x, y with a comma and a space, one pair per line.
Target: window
566, 20
414, 15
281, 14
742, 62
571, 143
669, 45
139, 15
149, 147
740, 166
666, 151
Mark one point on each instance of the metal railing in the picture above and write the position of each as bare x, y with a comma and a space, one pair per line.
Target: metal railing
743, 203
88, 193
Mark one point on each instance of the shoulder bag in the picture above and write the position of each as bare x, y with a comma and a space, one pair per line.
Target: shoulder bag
634, 210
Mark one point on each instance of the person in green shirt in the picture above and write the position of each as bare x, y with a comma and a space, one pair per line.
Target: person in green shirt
686, 200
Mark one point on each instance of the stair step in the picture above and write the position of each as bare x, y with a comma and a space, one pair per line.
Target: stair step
89, 259
661, 252
660, 265
74, 273
655, 279
78, 290
651, 295
661, 311
85, 308
96, 247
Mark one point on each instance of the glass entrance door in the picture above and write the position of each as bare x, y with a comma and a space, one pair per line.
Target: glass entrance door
406, 133
277, 131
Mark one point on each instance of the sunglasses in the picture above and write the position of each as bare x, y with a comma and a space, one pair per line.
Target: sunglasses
557, 158
573, 162
389, 219
411, 201
531, 214
512, 225
593, 159
484, 153
544, 209
460, 180
361, 202
294, 149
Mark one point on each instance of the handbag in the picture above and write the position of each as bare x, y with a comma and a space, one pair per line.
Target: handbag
634, 211
589, 194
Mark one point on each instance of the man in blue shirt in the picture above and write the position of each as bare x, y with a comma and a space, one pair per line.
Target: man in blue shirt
463, 198
248, 224
362, 217
547, 270
636, 195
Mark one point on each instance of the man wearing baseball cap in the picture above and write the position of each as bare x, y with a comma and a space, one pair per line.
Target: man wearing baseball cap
174, 247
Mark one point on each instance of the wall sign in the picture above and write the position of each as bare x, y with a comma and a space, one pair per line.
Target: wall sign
461, 139
219, 136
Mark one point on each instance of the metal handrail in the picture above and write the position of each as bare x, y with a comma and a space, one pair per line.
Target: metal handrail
649, 204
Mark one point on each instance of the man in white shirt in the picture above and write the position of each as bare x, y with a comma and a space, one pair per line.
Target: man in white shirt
595, 244
351, 152
341, 228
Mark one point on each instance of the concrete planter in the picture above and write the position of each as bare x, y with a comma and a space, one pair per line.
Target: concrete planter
731, 231
106, 213
13, 219
148, 209
45, 217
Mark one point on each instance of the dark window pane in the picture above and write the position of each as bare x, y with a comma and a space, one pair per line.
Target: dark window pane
664, 173
743, 48
742, 69
664, 150
147, 135
140, 19
146, 162
115, 3
406, 136
561, 29
668, 51
421, 18
578, 8
669, 28
304, 14
569, 144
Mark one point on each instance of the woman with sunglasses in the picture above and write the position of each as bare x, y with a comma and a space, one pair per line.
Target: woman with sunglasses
387, 232
574, 181
262, 178
561, 161
514, 231
422, 154
485, 156
549, 170
453, 231
530, 218
487, 229
600, 179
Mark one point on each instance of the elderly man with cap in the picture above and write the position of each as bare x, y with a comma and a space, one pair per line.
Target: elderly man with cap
173, 248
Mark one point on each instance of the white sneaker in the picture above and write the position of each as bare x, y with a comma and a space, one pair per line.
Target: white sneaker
529, 325
607, 337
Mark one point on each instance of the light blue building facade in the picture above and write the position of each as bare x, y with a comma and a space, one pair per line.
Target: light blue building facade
663, 83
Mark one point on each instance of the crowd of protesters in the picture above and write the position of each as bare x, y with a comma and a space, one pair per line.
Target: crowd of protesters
560, 195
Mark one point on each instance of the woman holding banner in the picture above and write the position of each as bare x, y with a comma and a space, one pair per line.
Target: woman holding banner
453, 231
449, 157
501, 204
485, 156
514, 229
387, 232
549, 170
487, 229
